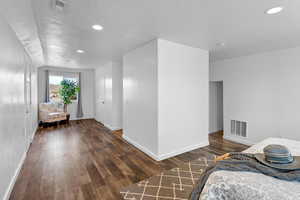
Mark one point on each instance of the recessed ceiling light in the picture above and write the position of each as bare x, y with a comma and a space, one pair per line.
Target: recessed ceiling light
97, 27
274, 10
80, 51
220, 44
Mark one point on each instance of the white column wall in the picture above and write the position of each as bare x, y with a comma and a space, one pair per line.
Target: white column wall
140, 98
183, 98
165, 105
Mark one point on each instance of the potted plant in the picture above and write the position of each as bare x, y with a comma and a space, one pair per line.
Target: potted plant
68, 92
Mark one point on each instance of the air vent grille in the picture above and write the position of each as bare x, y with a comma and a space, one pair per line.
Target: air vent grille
59, 4
238, 128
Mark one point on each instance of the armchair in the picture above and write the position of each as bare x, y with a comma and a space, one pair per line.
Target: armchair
51, 112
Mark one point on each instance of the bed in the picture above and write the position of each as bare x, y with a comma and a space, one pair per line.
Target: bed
228, 185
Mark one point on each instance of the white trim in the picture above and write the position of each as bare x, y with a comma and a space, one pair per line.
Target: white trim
142, 148
34, 132
183, 150
108, 126
238, 140
116, 128
167, 155
15, 177
74, 119
84, 117
112, 128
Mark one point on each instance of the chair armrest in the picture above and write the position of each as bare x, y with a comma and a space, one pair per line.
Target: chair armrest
43, 115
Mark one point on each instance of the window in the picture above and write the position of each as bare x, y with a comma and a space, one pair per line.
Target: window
54, 86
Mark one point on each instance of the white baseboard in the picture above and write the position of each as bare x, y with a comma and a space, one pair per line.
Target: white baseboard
34, 132
238, 140
109, 126
167, 155
85, 117
15, 177
116, 128
183, 150
142, 148
112, 128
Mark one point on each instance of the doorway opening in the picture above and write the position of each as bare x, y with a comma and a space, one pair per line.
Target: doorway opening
216, 107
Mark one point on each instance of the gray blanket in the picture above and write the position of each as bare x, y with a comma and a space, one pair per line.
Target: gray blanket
243, 162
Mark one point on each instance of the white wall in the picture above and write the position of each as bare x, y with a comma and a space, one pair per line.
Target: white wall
215, 106
166, 98
108, 86
140, 97
262, 90
117, 85
32, 114
16, 127
88, 90
183, 98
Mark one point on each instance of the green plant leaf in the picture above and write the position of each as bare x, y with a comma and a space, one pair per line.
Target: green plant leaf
68, 90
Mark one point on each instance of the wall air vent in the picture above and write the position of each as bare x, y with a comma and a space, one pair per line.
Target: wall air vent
238, 128
59, 4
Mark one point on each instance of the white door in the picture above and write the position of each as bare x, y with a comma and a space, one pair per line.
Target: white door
101, 99
104, 96
107, 100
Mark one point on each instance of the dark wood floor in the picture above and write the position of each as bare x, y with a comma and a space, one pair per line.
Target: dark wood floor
85, 161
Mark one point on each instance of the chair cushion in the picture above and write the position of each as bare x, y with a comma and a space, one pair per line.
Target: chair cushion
53, 115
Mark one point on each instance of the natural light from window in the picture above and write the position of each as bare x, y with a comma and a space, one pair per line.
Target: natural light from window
54, 86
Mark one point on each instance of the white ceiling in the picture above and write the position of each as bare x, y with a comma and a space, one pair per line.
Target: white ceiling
240, 24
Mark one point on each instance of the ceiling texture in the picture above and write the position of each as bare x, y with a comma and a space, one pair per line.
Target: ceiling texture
241, 25
20, 16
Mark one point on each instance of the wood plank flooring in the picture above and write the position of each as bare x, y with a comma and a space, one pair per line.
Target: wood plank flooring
86, 161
